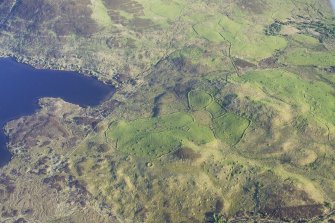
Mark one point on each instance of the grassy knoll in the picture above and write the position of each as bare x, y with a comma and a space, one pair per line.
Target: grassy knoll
199, 99
230, 128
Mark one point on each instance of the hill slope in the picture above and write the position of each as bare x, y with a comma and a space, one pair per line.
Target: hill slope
223, 109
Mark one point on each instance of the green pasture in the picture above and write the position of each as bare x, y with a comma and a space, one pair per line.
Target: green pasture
230, 128
306, 57
247, 40
199, 99
156, 136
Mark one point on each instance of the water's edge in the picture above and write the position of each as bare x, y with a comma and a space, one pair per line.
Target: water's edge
98, 92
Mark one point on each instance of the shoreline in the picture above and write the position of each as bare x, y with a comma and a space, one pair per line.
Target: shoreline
44, 64
5, 154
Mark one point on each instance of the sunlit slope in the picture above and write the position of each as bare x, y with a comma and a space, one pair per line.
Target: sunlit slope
223, 108
106, 37
259, 142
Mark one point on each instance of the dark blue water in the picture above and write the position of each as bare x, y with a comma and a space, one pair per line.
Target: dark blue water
21, 86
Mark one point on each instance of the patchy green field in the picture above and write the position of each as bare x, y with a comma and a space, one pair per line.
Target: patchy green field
155, 137
236, 33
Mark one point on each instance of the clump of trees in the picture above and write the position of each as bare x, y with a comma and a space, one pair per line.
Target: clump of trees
325, 30
273, 29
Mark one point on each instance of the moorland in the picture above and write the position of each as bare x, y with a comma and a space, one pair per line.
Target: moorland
224, 112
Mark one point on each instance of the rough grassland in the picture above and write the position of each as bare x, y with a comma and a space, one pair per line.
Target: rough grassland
313, 97
222, 107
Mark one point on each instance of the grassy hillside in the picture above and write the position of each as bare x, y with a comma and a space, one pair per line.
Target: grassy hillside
223, 110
